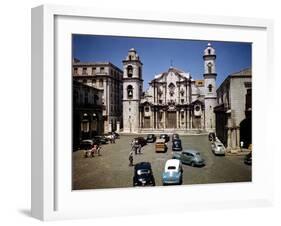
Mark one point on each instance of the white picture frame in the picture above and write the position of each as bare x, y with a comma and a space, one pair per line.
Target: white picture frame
52, 197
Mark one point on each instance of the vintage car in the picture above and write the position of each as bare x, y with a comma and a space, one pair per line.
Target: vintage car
143, 175
218, 148
190, 157
175, 136
86, 144
172, 172
151, 138
100, 139
176, 145
160, 145
165, 137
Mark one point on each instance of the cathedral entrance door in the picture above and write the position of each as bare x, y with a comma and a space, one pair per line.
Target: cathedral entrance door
171, 121
146, 122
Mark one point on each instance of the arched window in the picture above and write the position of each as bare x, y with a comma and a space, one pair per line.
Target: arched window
101, 83
210, 87
96, 99
139, 72
130, 71
130, 91
209, 51
209, 68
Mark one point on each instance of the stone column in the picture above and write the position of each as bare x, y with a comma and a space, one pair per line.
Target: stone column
140, 119
109, 126
180, 119
191, 121
164, 115
156, 120
233, 137
238, 137
177, 119
152, 120
185, 119
228, 138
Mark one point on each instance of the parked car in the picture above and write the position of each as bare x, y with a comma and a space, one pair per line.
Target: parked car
190, 157
151, 138
176, 145
248, 159
143, 175
140, 140
160, 145
165, 137
86, 144
175, 136
218, 148
172, 172
212, 136
100, 139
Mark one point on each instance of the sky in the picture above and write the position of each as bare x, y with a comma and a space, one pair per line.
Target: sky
157, 55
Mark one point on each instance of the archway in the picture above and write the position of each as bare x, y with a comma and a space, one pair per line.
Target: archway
246, 131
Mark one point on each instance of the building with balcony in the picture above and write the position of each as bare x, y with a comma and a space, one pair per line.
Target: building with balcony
107, 78
87, 112
234, 110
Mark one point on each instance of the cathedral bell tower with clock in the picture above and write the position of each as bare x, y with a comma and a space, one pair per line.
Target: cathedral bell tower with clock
210, 87
132, 91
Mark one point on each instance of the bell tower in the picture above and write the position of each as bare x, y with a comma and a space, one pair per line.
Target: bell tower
210, 75
132, 90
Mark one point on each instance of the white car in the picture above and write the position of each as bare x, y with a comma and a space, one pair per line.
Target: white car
172, 172
218, 148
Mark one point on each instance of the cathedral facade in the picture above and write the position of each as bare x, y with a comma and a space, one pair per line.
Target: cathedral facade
173, 101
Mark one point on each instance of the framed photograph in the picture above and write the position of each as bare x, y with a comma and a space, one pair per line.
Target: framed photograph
142, 112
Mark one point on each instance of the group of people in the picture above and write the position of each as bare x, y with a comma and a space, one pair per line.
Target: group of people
136, 148
95, 150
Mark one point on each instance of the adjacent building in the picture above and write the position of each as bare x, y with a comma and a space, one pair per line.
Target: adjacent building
107, 78
174, 100
234, 110
87, 112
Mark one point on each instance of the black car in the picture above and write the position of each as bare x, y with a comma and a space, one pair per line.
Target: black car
143, 175
100, 140
140, 140
248, 159
176, 145
175, 136
151, 138
165, 137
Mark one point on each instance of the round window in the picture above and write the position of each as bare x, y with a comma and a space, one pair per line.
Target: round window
197, 108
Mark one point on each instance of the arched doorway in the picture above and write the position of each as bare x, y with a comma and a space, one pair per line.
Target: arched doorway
246, 131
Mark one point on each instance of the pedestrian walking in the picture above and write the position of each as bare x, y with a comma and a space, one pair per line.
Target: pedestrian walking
139, 148
99, 150
135, 148
131, 159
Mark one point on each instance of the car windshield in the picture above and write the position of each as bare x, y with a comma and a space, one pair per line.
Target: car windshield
143, 171
149, 136
171, 168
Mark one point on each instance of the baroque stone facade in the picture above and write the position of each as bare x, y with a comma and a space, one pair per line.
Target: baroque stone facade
109, 79
234, 110
174, 100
